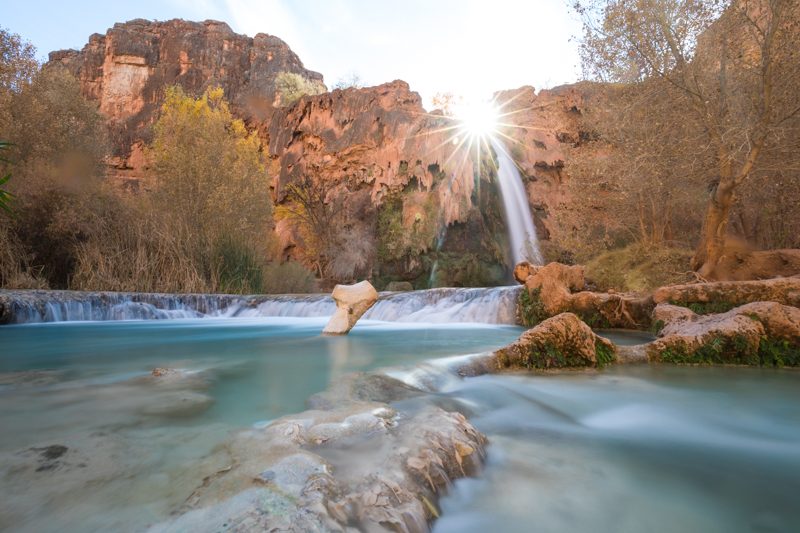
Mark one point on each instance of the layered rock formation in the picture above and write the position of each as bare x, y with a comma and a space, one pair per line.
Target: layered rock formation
127, 69
354, 464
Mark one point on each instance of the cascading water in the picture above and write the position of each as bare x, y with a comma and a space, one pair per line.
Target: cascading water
519, 221
491, 306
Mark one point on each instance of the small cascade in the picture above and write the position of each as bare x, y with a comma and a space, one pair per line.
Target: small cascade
495, 305
491, 305
519, 220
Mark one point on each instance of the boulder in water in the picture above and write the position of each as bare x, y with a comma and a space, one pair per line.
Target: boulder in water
558, 342
758, 333
325, 470
352, 301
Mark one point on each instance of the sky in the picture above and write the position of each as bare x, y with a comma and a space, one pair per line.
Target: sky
468, 47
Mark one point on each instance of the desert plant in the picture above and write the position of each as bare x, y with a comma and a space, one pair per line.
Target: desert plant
291, 87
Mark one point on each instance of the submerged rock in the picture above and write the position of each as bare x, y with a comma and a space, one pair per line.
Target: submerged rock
759, 333
361, 467
352, 301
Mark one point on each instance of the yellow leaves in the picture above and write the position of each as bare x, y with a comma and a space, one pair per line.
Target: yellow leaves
209, 167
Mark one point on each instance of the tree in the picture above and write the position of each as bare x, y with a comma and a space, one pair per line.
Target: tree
352, 80
57, 149
336, 245
212, 184
5, 196
736, 67
291, 87
17, 68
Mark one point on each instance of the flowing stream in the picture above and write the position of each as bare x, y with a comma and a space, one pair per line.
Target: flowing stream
519, 220
90, 441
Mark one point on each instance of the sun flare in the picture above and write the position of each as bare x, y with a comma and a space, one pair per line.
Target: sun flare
478, 120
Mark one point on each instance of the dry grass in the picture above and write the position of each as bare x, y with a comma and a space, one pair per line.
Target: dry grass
640, 268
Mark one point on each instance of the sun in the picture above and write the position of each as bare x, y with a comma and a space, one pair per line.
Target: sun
478, 120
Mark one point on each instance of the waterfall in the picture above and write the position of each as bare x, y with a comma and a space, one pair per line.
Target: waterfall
495, 305
519, 221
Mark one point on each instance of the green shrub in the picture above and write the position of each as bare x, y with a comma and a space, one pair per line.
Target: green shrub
292, 87
605, 355
778, 352
530, 309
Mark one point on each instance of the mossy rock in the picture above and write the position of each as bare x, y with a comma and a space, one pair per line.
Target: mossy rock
563, 341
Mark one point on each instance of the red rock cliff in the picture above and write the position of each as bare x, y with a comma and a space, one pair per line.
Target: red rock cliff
127, 69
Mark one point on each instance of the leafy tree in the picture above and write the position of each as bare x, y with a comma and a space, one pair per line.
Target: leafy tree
291, 87
18, 66
212, 184
735, 67
336, 245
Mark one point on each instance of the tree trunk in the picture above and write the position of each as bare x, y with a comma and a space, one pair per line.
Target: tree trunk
712, 240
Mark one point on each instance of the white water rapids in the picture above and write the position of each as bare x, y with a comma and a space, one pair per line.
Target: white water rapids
496, 305
519, 220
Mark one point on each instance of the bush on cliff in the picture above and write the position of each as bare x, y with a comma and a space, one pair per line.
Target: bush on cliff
291, 87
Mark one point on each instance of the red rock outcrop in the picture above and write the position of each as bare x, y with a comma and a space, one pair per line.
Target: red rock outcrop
541, 126
562, 341
363, 143
556, 288
127, 69
379, 138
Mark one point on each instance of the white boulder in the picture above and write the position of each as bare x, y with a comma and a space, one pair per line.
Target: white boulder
352, 301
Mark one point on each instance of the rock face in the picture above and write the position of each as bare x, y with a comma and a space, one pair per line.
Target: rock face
127, 69
545, 125
759, 333
377, 155
352, 301
361, 146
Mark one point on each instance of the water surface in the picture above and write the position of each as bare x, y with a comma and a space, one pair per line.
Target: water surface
633, 449
144, 442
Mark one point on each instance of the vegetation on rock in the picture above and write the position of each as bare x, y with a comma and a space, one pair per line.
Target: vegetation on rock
292, 86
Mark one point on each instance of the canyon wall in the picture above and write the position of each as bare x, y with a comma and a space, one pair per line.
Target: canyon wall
127, 70
376, 150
